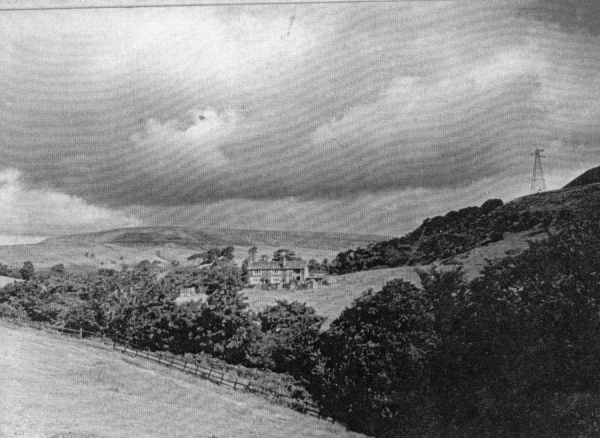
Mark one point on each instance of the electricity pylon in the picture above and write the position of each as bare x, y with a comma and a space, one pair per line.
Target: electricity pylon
538, 184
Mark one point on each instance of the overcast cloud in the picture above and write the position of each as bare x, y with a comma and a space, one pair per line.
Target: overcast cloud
346, 117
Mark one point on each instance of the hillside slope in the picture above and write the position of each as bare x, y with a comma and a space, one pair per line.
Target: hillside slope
461, 231
130, 246
591, 176
52, 386
204, 238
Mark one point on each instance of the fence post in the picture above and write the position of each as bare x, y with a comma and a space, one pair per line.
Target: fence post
80, 333
196, 372
184, 365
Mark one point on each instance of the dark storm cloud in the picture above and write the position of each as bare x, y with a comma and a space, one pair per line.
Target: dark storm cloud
570, 15
187, 108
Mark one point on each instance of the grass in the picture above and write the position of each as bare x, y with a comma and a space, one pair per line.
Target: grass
330, 301
54, 386
72, 254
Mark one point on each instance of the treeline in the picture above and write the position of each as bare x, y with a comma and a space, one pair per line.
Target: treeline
445, 236
514, 352
138, 308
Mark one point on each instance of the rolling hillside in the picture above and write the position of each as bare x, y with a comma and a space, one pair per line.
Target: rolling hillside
58, 387
443, 238
204, 238
130, 246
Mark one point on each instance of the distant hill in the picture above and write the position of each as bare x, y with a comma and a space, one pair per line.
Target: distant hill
115, 249
203, 238
591, 176
443, 237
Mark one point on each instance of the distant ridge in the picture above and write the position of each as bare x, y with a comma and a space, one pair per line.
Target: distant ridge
591, 176
209, 237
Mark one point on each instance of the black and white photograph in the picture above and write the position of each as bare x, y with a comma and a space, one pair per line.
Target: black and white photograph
299, 219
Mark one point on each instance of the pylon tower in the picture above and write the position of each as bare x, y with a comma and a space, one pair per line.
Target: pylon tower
538, 184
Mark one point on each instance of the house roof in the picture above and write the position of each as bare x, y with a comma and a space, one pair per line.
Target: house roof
290, 264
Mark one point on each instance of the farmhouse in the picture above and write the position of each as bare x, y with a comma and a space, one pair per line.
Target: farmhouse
282, 273
277, 273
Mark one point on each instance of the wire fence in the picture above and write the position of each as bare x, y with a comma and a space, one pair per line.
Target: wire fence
202, 371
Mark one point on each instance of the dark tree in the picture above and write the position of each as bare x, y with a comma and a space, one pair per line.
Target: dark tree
281, 253
58, 269
291, 331
27, 271
374, 359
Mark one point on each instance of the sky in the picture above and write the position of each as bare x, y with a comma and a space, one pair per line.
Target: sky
351, 117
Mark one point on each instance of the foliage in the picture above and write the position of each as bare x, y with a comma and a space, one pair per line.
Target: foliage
27, 271
514, 352
223, 277
58, 269
4, 270
289, 335
279, 255
445, 236
374, 359
526, 337
213, 255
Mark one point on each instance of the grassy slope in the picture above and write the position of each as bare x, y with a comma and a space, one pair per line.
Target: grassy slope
113, 248
109, 255
210, 237
331, 300
51, 385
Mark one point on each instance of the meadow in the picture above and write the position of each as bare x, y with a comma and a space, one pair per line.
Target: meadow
54, 386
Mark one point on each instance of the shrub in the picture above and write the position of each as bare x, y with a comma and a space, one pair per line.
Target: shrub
27, 271
373, 360
290, 333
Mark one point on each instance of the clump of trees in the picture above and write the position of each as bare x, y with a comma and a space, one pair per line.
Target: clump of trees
514, 352
27, 271
213, 255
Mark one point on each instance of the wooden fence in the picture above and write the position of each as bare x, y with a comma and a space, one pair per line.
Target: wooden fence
202, 371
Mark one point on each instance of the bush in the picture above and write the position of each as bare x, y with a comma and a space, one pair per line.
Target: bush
27, 271
58, 269
373, 361
289, 335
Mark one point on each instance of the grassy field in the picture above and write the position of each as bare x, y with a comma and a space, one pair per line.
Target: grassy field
330, 301
90, 256
52, 386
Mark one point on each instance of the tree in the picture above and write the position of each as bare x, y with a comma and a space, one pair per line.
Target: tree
291, 331
520, 342
227, 253
279, 255
223, 277
27, 271
252, 253
374, 358
58, 269
4, 270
